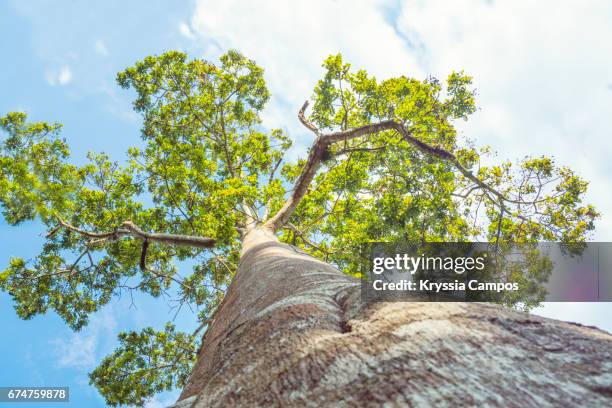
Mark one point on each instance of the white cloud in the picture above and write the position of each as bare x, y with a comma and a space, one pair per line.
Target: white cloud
62, 76
101, 48
116, 105
78, 351
81, 349
185, 30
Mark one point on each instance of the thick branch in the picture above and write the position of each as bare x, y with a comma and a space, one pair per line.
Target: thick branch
359, 149
360, 131
317, 152
129, 229
143, 255
305, 121
270, 179
323, 141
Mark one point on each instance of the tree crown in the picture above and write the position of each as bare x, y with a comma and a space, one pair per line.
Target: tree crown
386, 164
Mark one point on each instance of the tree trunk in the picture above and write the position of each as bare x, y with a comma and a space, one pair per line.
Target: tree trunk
292, 331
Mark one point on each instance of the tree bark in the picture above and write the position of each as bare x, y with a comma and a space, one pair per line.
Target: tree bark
292, 331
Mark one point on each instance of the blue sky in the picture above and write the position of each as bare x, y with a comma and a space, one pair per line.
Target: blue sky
543, 73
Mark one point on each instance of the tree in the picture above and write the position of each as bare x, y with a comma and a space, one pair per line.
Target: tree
269, 237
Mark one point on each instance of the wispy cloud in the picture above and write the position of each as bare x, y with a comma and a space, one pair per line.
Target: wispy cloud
82, 349
61, 76
78, 351
117, 105
101, 48
185, 30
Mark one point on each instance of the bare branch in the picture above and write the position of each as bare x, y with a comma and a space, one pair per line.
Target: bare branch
129, 229
165, 276
267, 209
321, 146
305, 121
467, 194
359, 149
204, 323
145, 268
499, 226
353, 133
53, 231
315, 157
308, 172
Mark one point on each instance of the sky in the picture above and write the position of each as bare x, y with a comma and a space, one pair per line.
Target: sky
543, 73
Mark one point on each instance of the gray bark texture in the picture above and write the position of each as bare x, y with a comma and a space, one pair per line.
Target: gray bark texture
292, 331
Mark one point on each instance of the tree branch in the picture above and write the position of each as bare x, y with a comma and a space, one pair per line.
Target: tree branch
305, 121
359, 149
143, 255
267, 209
323, 141
129, 229
317, 152
299, 233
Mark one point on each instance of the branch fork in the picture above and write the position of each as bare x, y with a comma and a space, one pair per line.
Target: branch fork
324, 141
129, 229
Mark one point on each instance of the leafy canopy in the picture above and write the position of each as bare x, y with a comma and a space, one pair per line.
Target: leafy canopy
208, 167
